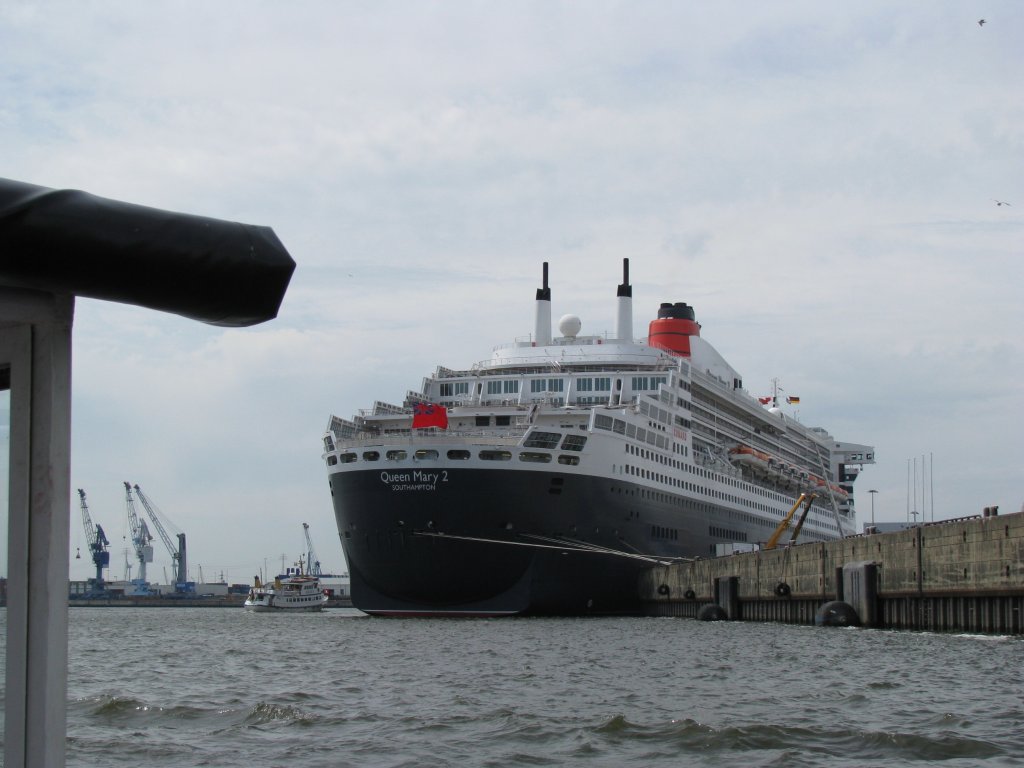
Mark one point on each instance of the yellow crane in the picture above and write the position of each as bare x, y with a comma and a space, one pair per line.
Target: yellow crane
804, 498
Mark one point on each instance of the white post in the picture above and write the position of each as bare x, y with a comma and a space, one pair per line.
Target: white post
35, 348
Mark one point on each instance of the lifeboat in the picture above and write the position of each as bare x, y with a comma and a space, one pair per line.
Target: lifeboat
823, 487
749, 457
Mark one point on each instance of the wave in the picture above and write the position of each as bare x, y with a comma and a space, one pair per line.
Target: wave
114, 708
688, 734
264, 713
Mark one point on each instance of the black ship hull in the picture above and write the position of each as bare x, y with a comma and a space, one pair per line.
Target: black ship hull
467, 541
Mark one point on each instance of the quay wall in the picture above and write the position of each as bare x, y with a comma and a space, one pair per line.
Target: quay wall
964, 575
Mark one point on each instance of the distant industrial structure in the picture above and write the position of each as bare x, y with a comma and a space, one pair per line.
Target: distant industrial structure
97, 542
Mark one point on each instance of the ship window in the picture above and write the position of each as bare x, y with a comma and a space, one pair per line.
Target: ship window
328, 443
556, 385
584, 385
602, 384
425, 454
371, 456
347, 458
571, 460
538, 439
483, 421
332, 460
603, 422
619, 427
574, 442
511, 386
446, 390
539, 458
493, 387
502, 421
458, 454
496, 455
396, 455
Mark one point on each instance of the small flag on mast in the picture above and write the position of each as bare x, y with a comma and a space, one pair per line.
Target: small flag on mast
793, 400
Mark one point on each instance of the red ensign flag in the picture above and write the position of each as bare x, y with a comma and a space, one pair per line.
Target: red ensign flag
429, 415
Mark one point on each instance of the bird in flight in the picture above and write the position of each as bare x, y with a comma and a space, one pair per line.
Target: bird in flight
1002, 202
981, 22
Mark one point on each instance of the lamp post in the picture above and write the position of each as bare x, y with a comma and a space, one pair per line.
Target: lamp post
872, 492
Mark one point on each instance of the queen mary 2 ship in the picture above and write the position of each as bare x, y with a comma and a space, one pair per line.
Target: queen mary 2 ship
546, 479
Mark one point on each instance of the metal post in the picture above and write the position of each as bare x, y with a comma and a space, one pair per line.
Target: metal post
872, 492
35, 350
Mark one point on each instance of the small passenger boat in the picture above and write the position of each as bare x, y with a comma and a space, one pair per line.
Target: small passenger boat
287, 593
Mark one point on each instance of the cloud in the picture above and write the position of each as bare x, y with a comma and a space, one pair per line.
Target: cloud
818, 183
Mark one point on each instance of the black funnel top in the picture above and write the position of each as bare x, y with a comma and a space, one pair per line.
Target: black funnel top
678, 311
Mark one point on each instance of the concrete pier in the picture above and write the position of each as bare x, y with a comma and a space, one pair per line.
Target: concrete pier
958, 575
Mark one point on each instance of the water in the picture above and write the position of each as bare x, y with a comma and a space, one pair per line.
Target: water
212, 687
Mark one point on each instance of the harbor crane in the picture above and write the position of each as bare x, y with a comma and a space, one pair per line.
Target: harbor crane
181, 583
312, 561
141, 542
98, 543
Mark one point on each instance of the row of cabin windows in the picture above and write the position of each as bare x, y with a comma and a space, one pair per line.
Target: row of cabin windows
726, 533
590, 384
660, 532
696, 505
451, 389
696, 488
547, 385
506, 387
648, 382
541, 439
684, 485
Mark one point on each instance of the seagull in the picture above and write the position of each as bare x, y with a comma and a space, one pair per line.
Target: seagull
1002, 202
981, 22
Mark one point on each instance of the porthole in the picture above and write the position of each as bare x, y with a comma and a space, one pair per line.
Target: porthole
496, 455
536, 457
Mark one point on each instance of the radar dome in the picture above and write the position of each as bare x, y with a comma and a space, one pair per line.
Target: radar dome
569, 326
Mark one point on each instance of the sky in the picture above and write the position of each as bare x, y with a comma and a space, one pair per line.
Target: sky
819, 180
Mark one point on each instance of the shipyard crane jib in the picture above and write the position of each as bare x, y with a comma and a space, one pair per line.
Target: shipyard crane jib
141, 542
178, 555
98, 544
312, 561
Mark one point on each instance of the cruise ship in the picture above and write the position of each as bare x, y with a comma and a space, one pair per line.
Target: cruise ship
544, 480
